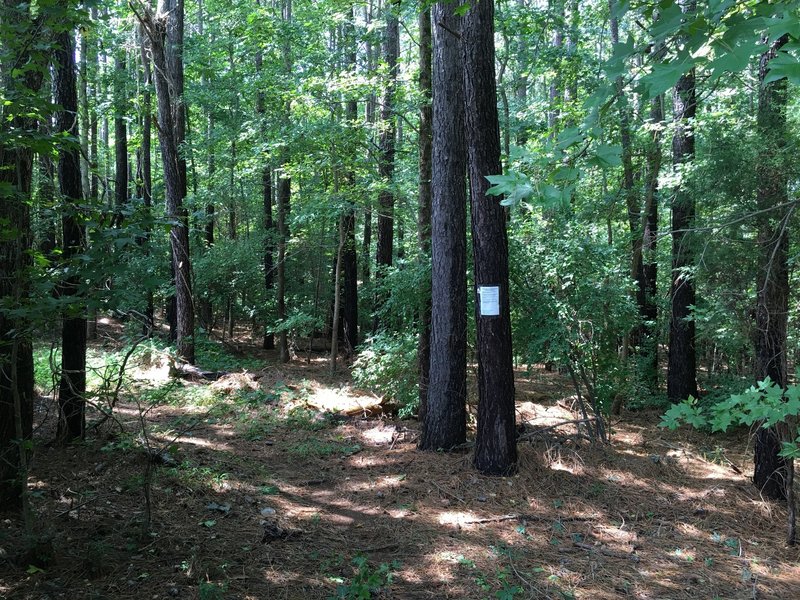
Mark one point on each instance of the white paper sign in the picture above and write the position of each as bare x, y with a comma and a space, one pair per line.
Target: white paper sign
490, 300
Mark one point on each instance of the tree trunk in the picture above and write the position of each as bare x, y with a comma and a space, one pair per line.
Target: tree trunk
120, 140
629, 192
496, 440
147, 167
162, 29
284, 195
369, 117
83, 103
284, 200
648, 330
682, 370
349, 257
269, 248
337, 296
772, 286
424, 200
72, 387
554, 90
445, 417
385, 242
16, 171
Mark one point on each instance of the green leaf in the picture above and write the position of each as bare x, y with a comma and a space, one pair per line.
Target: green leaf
784, 65
607, 156
664, 76
732, 59
462, 9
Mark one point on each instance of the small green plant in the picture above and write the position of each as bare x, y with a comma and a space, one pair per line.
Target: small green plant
96, 558
212, 591
307, 419
314, 447
366, 581
256, 398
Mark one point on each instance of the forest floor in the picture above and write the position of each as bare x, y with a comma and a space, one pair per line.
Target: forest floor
281, 481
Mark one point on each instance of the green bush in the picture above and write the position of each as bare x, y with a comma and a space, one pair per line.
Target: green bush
387, 364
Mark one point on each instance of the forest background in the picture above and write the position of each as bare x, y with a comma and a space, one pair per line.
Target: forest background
198, 168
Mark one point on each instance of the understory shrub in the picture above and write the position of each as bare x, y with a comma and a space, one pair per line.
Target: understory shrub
387, 364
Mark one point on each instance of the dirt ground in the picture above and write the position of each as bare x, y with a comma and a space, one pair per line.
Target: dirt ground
285, 482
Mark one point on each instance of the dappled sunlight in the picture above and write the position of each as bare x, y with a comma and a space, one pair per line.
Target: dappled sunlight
266, 499
344, 401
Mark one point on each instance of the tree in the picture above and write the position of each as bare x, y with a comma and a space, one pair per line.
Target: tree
165, 32
17, 134
772, 288
496, 441
445, 417
424, 197
72, 388
391, 51
120, 138
284, 196
648, 329
348, 254
144, 169
629, 191
682, 369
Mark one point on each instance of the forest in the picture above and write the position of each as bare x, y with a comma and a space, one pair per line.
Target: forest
399, 299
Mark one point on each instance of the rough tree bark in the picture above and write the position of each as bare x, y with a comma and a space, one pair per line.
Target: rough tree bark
496, 440
648, 333
145, 165
164, 29
424, 198
284, 201
349, 257
72, 386
629, 191
772, 286
445, 417
16, 170
682, 370
385, 241
120, 139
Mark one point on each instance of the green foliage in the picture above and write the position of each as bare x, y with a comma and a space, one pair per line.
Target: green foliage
387, 364
572, 302
367, 580
322, 449
211, 591
214, 356
764, 403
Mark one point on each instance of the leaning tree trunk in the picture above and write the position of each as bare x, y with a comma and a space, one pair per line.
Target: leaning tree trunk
682, 370
157, 27
496, 440
72, 388
445, 418
772, 303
